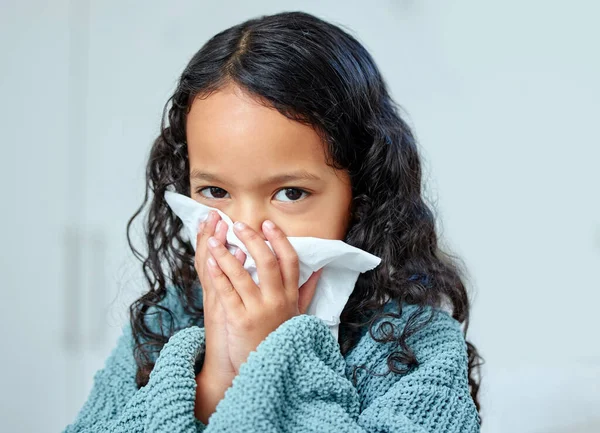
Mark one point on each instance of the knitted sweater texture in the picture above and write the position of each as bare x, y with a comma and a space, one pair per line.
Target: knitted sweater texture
295, 381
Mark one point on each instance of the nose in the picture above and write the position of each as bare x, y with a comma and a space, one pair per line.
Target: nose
251, 215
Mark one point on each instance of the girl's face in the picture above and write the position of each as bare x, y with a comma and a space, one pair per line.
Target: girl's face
253, 164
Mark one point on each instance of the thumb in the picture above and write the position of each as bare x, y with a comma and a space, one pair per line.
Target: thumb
307, 291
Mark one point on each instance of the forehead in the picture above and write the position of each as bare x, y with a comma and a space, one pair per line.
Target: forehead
230, 133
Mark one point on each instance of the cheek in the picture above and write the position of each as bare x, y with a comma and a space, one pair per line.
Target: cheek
321, 225
339, 227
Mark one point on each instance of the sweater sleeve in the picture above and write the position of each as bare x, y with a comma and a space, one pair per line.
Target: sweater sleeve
295, 381
166, 403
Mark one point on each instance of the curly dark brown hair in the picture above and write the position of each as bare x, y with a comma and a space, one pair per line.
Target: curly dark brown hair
312, 72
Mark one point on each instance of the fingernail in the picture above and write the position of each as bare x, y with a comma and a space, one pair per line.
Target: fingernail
213, 242
219, 226
239, 225
268, 225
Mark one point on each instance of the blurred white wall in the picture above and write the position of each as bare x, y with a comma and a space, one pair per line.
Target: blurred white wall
503, 97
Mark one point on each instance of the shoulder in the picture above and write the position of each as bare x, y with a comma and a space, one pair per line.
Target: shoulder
439, 346
438, 385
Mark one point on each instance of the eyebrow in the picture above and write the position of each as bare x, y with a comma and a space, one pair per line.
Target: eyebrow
278, 178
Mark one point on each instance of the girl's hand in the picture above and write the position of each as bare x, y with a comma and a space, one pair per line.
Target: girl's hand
253, 312
217, 365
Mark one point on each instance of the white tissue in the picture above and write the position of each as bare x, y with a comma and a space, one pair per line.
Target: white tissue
342, 263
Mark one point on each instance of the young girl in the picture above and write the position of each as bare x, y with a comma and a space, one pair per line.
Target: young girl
285, 124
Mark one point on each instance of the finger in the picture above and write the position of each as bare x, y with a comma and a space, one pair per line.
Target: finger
198, 238
221, 231
226, 292
267, 264
207, 229
221, 235
285, 252
198, 265
214, 303
240, 255
246, 290
211, 223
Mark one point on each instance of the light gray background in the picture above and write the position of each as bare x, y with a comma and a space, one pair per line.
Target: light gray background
504, 98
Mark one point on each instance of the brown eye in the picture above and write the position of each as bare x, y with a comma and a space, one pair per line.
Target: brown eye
215, 191
291, 194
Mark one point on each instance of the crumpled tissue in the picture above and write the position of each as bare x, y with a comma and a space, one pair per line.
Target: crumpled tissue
342, 263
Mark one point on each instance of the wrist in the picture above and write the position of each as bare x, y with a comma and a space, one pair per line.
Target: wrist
208, 395
202, 407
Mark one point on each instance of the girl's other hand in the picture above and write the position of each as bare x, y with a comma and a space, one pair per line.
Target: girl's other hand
217, 367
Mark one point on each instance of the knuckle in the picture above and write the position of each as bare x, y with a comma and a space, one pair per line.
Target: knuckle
238, 272
202, 228
277, 234
251, 235
210, 225
220, 251
272, 263
294, 260
222, 226
279, 304
226, 287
